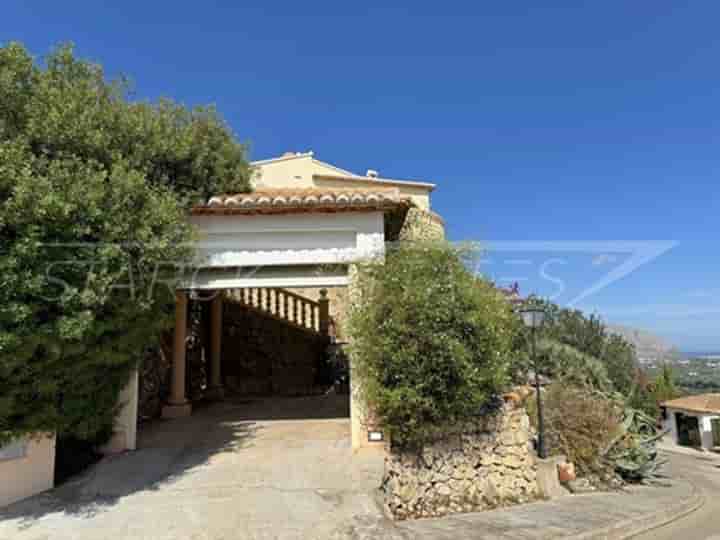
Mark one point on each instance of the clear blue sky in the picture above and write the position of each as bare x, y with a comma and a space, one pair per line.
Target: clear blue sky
575, 121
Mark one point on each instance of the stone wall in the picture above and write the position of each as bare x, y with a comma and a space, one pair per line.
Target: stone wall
262, 355
422, 226
488, 464
414, 224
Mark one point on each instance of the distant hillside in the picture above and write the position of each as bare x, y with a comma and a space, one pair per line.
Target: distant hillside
650, 348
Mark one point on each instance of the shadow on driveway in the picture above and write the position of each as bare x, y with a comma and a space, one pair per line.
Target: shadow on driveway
169, 451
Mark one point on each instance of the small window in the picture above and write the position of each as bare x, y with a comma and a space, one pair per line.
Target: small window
14, 450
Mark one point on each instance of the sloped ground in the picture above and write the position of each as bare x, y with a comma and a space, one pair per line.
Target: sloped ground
274, 468
283, 469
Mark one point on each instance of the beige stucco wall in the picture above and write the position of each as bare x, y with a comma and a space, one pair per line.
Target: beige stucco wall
125, 428
300, 172
290, 173
31, 474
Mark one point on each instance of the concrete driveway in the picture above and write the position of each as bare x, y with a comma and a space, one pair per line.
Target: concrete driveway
256, 469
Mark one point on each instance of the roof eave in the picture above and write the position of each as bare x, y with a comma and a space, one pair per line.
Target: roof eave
383, 181
384, 206
281, 158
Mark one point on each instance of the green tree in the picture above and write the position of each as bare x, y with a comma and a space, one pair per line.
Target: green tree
94, 192
580, 346
620, 360
431, 343
664, 388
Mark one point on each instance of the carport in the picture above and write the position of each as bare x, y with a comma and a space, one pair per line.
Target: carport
276, 251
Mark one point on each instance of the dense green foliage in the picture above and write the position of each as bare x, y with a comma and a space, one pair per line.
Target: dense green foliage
664, 388
93, 197
578, 347
431, 342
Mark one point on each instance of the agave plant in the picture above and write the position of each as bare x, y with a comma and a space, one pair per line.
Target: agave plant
633, 452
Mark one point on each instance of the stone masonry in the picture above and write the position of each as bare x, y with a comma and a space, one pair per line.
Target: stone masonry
265, 356
422, 226
488, 464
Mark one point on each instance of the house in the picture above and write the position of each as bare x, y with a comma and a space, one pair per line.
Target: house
694, 420
273, 278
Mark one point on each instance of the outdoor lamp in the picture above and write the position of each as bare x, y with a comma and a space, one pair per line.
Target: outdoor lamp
533, 318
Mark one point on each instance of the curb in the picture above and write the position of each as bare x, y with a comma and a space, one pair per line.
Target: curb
710, 456
634, 526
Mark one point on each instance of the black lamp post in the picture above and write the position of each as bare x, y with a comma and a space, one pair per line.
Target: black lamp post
533, 318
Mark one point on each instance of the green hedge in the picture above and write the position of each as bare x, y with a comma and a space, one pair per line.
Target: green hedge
431, 342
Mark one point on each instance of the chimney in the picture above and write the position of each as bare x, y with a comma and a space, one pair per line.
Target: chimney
371, 173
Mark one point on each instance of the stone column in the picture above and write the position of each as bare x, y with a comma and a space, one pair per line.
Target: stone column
215, 388
178, 405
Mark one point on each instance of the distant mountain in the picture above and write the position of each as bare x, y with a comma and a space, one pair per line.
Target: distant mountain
650, 348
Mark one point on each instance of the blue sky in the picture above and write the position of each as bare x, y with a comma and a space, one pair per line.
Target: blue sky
567, 121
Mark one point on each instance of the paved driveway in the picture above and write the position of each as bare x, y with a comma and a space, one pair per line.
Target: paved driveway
279, 468
703, 470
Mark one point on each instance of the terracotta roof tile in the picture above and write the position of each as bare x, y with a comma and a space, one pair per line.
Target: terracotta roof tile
709, 403
278, 201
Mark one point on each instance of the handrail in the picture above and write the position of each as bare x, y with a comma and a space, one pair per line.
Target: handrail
289, 306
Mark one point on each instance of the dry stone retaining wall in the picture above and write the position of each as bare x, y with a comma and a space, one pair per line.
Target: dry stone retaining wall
489, 464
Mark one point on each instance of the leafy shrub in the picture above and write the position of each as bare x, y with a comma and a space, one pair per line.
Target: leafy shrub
94, 190
431, 342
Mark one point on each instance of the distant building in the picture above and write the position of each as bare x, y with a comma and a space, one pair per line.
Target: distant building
694, 420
